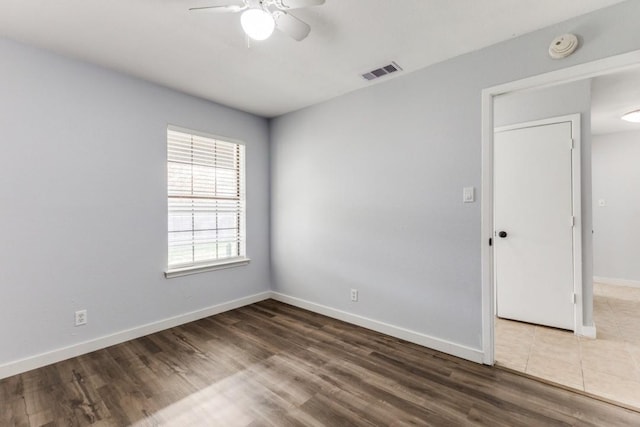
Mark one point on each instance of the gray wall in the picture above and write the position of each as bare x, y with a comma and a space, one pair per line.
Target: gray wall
556, 101
367, 188
559, 100
616, 175
83, 202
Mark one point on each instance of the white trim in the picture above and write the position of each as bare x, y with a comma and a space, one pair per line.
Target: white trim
438, 344
220, 265
576, 177
543, 122
486, 230
57, 355
589, 331
617, 282
60, 354
565, 75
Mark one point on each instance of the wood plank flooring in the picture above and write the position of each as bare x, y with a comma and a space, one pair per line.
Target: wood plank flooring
270, 364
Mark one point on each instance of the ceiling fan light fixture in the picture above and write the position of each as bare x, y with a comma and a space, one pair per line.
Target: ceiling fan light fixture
257, 24
632, 116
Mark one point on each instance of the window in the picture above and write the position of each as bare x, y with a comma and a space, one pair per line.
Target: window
206, 198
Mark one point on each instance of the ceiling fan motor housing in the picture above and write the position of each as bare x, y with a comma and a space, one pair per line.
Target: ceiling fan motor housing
259, 17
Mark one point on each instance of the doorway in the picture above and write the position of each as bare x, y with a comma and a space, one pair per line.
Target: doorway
550, 339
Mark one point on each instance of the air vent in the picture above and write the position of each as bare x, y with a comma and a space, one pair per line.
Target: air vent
382, 71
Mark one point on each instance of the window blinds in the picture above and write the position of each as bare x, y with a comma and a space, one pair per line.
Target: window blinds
206, 199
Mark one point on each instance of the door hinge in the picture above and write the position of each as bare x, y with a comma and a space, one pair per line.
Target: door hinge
571, 144
490, 241
574, 298
572, 221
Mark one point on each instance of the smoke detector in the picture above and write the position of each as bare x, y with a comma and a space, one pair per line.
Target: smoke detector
563, 46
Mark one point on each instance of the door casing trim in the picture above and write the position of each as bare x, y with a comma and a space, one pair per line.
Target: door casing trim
565, 75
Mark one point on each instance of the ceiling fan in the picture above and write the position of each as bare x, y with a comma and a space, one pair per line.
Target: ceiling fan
261, 17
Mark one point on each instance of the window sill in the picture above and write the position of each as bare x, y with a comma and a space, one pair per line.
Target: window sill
219, 265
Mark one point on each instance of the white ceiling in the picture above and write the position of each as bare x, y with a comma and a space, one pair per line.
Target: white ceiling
206, 54
612, 96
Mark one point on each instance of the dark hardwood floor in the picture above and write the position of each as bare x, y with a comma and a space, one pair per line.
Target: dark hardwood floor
273, 364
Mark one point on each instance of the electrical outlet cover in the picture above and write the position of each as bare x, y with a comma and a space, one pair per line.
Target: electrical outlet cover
81, 317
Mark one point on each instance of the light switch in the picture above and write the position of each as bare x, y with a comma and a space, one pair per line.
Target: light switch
602, 202
468, 195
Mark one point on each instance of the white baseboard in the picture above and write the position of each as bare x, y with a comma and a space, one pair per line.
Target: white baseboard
617, 282
43, 359
64, 353
588, 331
438, 344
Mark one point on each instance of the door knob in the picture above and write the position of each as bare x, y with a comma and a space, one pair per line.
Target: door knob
502, 234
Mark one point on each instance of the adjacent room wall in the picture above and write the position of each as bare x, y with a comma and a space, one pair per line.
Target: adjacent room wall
561, 100
83, 203
554, 101
616, 226
367, 188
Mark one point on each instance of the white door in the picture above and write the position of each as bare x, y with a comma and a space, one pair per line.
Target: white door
533, 217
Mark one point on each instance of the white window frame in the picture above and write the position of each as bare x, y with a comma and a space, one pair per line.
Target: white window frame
241, 259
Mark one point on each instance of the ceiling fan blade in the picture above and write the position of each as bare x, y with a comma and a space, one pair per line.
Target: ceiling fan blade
230, 8
291, 26
297, 4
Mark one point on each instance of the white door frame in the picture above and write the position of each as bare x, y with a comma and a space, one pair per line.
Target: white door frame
565, 75
576, 205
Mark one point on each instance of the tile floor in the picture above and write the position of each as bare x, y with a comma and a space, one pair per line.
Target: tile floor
608, 366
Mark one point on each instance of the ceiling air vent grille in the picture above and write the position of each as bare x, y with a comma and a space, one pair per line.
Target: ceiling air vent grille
382, 71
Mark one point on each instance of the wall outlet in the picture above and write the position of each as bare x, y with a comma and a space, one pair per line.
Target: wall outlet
81, 317
354, 295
